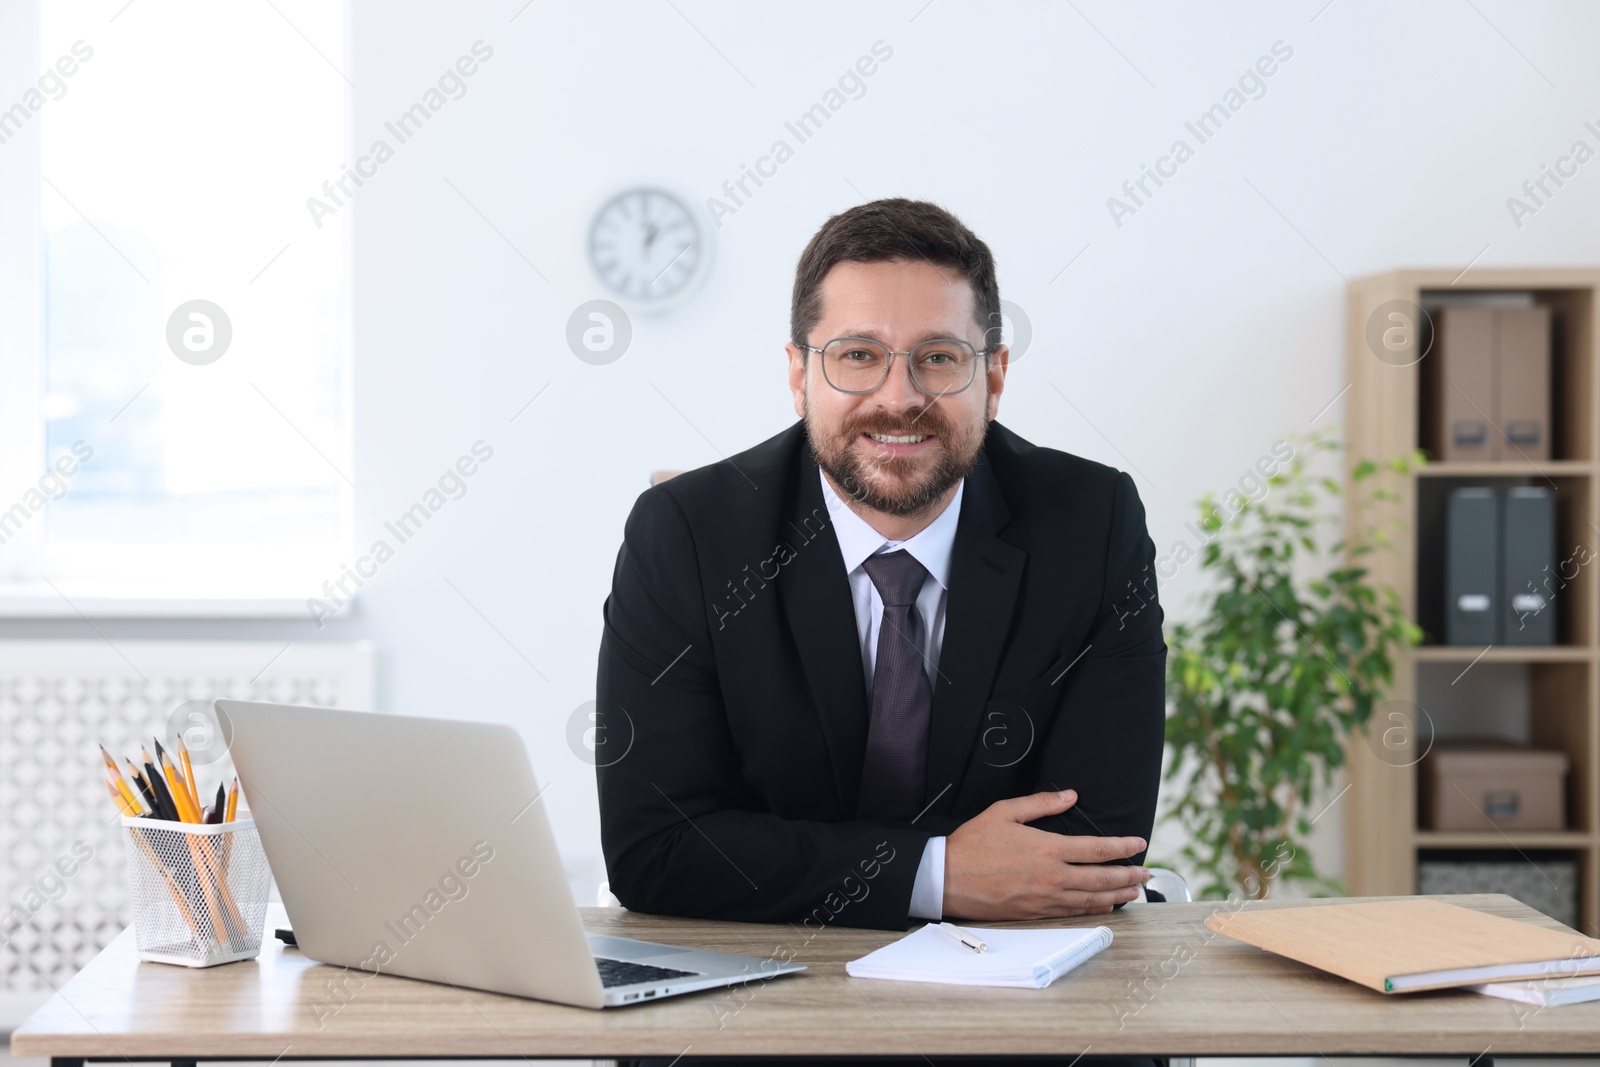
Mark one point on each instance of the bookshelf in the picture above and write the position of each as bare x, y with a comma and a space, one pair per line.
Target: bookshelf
1557, 688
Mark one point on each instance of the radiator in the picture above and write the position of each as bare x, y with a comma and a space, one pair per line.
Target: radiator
63, 882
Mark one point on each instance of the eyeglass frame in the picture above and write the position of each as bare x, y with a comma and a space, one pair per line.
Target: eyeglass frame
888, 368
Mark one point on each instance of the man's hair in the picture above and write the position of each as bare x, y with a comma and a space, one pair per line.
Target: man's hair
895, 229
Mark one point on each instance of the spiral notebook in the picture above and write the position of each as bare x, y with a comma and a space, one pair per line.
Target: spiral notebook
1023, 959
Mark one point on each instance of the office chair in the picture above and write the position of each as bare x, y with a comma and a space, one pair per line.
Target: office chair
1166, 885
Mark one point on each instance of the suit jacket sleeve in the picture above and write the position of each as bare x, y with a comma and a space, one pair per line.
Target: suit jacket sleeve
1106, 738
683, 832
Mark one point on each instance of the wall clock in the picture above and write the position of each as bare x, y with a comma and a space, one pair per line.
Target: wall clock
649, 248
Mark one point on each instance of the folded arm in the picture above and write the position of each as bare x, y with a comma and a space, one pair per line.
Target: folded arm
1075, 845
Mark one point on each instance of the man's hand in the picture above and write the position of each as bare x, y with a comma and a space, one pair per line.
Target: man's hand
995, 867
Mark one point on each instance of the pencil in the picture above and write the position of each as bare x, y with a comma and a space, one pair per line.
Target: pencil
152, 770
126, 795
116, 778
188, 792
185, 805
227, 817
173, 887
188, 770
129, 805
122, 804
127, 791
213, 884
178, 787
144, 788
219, 805
232, 918
166, 806
175, 792
206, 878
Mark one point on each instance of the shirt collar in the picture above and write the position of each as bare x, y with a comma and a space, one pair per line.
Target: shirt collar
932, 546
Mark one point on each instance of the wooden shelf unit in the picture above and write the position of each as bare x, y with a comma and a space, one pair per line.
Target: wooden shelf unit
1563, 682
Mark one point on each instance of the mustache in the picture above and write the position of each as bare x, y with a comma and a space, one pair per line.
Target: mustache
926, 421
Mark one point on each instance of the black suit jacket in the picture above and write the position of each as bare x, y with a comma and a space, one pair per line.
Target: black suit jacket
734, 711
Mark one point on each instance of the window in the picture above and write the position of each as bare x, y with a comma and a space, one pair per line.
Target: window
190, 359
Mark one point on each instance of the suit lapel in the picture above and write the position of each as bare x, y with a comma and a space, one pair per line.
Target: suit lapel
816, 599
985, 576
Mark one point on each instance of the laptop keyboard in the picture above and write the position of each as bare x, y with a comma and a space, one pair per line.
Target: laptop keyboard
621, 972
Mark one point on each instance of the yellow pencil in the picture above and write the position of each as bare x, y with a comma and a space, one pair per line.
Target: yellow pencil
216, 869
122, 805
116, 782
115, 776
131, 806
178, 788
229, 816
188, 771
169, 770
166, 876
188, 793
203, 875
127, 795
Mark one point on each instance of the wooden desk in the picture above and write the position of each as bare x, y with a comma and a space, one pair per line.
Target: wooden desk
1166, 986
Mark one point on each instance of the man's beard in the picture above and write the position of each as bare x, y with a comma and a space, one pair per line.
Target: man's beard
861, 479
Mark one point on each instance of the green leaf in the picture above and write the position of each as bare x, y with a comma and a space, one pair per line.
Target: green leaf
1292, 650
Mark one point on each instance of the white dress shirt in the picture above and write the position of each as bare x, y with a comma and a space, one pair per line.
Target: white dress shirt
932, 547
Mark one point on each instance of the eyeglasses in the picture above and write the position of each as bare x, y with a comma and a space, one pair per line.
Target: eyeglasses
939, 367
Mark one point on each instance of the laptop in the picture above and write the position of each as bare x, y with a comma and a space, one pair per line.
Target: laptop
420, 847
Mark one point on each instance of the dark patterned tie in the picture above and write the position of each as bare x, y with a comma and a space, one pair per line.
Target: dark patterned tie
893, 775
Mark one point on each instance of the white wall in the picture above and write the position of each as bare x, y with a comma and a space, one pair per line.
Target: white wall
1188, 339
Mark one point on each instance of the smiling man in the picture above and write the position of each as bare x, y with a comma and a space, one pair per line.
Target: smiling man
896, 662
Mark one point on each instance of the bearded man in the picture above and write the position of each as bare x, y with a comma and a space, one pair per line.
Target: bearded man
896, 662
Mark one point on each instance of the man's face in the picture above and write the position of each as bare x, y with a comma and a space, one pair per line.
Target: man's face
900, 303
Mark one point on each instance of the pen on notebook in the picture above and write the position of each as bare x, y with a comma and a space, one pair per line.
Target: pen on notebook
964, 937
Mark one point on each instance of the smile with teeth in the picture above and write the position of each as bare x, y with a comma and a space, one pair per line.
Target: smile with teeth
900, 439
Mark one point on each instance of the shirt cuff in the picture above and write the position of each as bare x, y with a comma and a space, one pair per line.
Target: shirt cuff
927, 892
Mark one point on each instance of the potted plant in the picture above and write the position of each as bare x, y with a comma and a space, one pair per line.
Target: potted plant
1294, 649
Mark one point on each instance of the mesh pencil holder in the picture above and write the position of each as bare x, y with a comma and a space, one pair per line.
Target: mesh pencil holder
199, 891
